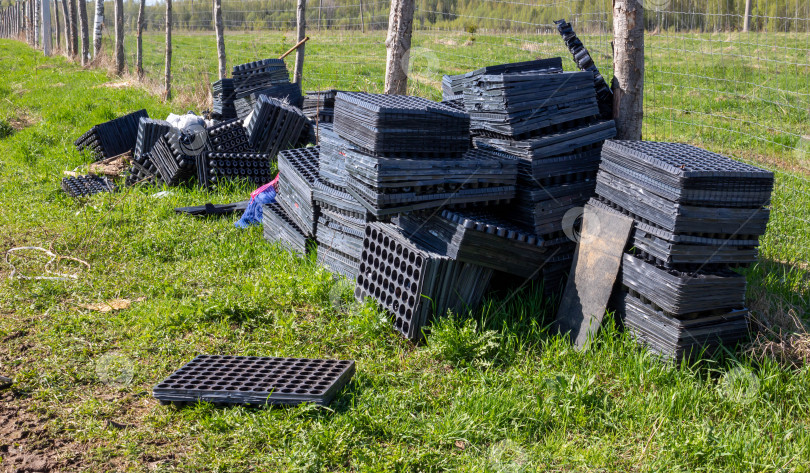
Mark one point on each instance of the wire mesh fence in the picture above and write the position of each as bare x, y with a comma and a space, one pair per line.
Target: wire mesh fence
707, 82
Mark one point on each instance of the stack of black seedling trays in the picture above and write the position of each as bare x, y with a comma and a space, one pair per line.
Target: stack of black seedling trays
112, 138
298, 171
479, 237
320, 105
516, 105
85, 186
453, 87
255, 381
585, 63
171, 156
395, 125
391, 185
214, 167
698, 214
229, 137
224, 96
333, 148
413, 283
340, 243
275, 126
278, 226
289, 93
149, 130
259, 75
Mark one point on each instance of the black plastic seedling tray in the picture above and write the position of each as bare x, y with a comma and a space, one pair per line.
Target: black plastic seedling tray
112, 138
278, 226
585, 62
229, 137
682, 339
414, 284
213, 210
680, 293
275, 126
477, 237
149, 131
298, 172
213, 168
453, 86
85, 186
255, 380
143, 170
676, 217
396, 124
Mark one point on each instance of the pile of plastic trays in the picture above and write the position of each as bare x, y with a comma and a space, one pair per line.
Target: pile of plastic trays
257, 75
215, 167
275, 125
278, 226
298, 171
320, 105
585, 63
112, 138
229, 137
223, 95
289, 93
698, 215
85, 186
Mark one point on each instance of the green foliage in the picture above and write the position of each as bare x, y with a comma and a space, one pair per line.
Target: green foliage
460, 342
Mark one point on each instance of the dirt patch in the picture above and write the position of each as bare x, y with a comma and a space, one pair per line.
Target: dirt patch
22, 119
118, 85
27, 446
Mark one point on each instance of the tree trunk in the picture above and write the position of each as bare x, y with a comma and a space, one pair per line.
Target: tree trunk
68, 29
58, 25
628, 68
362, 20
168, 49
46, 27
223, 71
398, 44
85, 38
74, 27
119, 37
301, 13
320, 9
35, 15
747, 17
139, 49
98, 24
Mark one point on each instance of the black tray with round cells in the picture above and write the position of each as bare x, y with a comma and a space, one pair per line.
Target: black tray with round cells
255, 380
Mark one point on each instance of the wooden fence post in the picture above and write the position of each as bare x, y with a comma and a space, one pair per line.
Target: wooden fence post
398, 45
628, 68
98, 24
139, 41
168, 49
362, 20
747, 18
35, 21
83, 32
302, 33
46, 27
119, 37
220, 38
74, 28
57, 26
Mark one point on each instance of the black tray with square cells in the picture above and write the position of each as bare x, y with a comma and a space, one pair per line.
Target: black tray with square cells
339, 201
229, 137
585, 62
338, 263
223, 95
257, 75
560, 140
519, 105
677, 339
332, 168
680, 293
685, 252
275, 126
414, 284
676, 217
149, 130
320, 105
478, 237
175, 155
298, 172
213, 167
85, 186
453, 86
686, 174
398, 124
279, 227
346, 239
112, 138
256, 380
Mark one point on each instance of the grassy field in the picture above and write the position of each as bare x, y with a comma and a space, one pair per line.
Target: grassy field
493, 391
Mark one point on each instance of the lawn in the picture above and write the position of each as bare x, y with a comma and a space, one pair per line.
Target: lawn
489, 391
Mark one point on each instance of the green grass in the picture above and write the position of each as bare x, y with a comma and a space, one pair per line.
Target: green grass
490, 391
